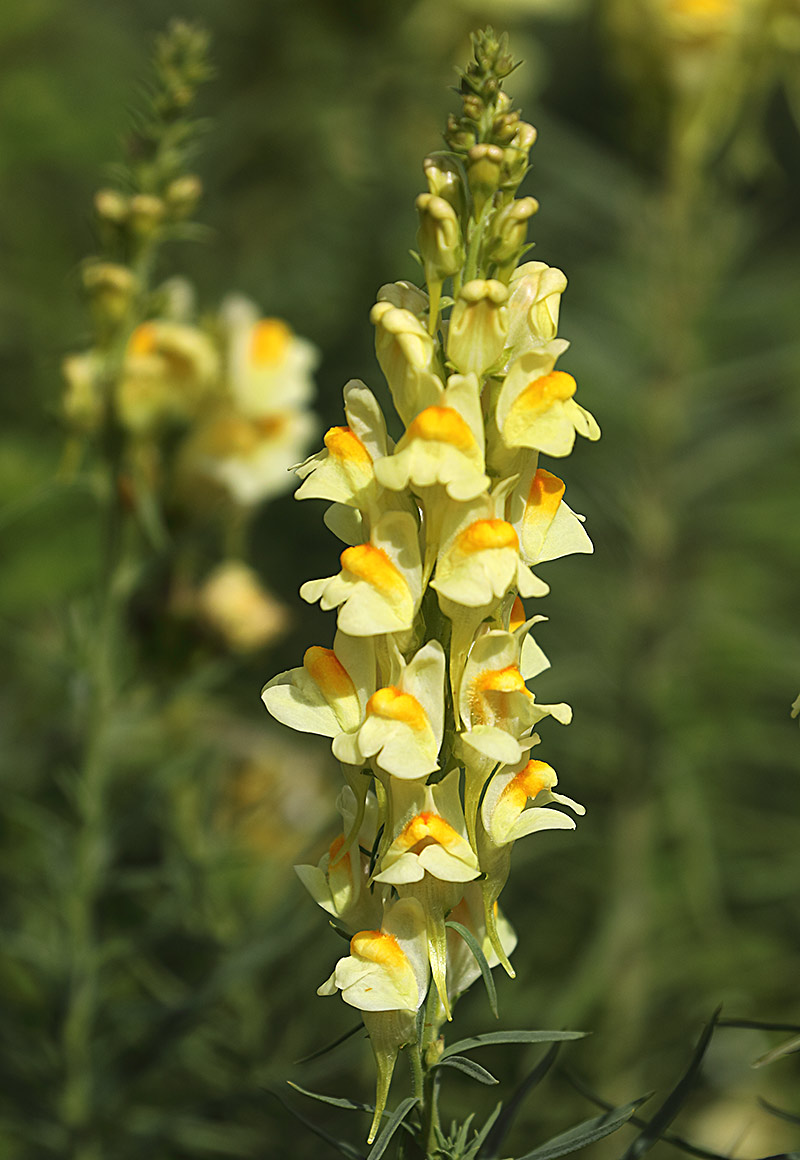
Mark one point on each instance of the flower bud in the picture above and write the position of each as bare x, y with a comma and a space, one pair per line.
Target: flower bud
407, 354
439, 237
483, 173
146, 213
445, 179
515, 156
183, 194
510, 229
110, 288
536, 290
82, 401
478, 326
111, 206
504, 127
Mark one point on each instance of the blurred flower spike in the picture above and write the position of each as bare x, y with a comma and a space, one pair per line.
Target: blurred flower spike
425, 693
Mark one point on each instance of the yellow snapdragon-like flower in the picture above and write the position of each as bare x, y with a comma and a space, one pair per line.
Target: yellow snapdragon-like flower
435, 723
404, 722
379, 587
386, 977
536, 408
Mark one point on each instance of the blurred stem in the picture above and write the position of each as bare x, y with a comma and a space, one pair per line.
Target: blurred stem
92, 842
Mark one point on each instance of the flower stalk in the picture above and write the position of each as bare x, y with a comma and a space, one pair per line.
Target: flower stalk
424, 694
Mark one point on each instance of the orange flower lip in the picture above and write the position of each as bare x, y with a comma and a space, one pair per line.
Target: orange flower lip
483, 535
507, 680
543, 392
377, 947
342, 443
394, 705
269, 339
441, 425
425, 828
531, 780
328, 673
517, 618
546, 492
143, 339
372, 565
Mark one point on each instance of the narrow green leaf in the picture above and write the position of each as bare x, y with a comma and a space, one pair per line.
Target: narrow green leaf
668, 1137
490, 1038
336, 1101
504, 1121
395, 1120
341, 1146
330, 1046
482, 1136
663, 1116
789, 1048
586, 1133
480, 959
469, 1067
758, 1024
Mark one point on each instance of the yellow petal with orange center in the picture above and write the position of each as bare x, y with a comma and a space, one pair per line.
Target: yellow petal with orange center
372, 565
342, 443
546, 493
442, 425
485, 535
328, 673
426, 827
394, 705
376, 947
507, 680
531, 780
269, 340
540, 395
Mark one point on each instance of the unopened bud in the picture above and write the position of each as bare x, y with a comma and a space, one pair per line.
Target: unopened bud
515, 156
483, 173
110, 288
111, 206
82, 401
478, 326
146, 213
536, 290
445, 179
183, 194
439, 237
504, 128
510, 229
473, 107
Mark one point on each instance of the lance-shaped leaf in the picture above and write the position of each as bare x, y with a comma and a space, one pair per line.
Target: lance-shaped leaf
584, 1134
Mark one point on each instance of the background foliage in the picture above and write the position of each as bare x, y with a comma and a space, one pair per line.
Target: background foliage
677, 643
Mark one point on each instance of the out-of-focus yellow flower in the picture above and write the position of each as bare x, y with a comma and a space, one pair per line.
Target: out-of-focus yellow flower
169, 369
259, 426
82, 402
234, 603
